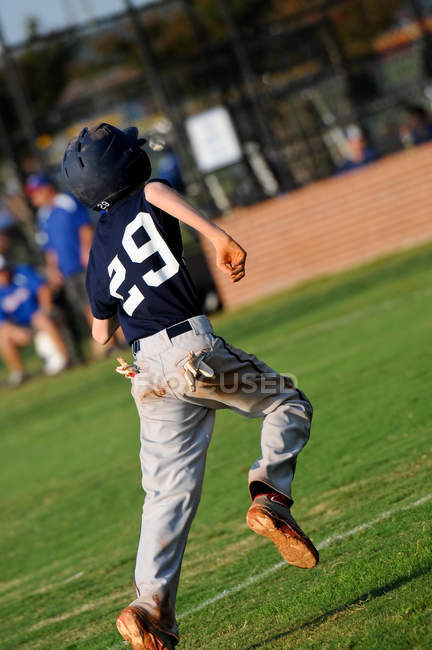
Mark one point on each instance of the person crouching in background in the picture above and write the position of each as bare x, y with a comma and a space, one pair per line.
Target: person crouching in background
25, 305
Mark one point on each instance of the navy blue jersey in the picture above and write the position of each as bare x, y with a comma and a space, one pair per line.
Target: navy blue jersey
136, 269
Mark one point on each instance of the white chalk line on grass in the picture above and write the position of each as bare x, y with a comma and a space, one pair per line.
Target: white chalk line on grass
72, 578
246, 583
324, 544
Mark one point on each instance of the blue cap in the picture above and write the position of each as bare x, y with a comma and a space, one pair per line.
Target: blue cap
35, 181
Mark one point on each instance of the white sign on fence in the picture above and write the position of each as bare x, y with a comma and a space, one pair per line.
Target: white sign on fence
213, 139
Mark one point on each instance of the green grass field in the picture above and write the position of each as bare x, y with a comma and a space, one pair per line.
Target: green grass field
360, 344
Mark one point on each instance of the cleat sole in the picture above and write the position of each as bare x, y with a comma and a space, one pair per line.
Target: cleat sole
292, 544
131, 627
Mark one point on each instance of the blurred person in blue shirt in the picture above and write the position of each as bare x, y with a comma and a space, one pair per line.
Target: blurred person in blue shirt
65, 234
357, 152
25, 307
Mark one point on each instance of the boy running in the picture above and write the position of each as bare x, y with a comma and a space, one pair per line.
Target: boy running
183, 372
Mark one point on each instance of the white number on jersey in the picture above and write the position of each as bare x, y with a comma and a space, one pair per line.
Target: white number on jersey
156, 244
117, 273
135, 299
137, 254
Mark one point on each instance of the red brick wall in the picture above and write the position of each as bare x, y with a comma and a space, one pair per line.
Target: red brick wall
331, 225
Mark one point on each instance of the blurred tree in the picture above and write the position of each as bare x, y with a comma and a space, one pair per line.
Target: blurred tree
281, 9
7, 110
113, 48
32, 28
43, 71
192, 51
358, 22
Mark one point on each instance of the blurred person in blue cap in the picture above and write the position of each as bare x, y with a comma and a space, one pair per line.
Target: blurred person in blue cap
65, 234
25, 307
357, 151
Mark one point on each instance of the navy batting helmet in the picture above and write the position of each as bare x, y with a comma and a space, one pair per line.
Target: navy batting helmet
103, 164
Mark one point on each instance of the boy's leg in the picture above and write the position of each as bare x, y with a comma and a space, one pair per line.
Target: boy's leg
174, 441
284, 433
176, 425
250, 387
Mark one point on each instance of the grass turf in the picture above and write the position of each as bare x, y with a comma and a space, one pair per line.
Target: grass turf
71, 499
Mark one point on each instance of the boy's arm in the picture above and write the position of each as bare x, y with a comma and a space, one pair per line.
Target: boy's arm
230, 256
102, 330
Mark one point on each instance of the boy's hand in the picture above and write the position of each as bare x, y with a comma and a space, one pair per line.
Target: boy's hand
230, 258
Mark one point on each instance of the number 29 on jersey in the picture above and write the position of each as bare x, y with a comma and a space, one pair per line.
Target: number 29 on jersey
137, 254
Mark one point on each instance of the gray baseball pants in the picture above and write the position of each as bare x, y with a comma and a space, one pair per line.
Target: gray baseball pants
176, 427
